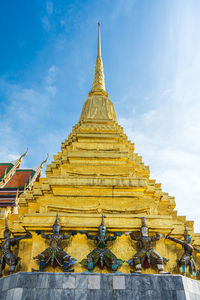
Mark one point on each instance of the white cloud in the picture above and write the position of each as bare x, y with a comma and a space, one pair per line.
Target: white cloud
168, 138
167, 92
122, 6
167, 134
51, 90
23, 119
49, 7
50, 79
174, 165
46, 23
51, 76
46, 19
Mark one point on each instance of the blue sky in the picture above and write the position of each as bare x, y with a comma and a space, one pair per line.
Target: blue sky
151, 56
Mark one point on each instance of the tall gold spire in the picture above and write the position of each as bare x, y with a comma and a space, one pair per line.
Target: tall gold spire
98, 86
99, 41
98, 106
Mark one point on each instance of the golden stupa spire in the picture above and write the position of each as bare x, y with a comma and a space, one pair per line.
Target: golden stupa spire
99, 41
98, 86
98, 106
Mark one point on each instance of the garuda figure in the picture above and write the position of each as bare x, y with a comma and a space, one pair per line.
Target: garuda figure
55, 255
146, 256
102, 255
187, 259
7, 256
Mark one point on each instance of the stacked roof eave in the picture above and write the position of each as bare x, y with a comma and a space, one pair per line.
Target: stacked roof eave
14, 181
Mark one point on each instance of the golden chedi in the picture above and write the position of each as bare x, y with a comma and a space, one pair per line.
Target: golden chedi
97, 172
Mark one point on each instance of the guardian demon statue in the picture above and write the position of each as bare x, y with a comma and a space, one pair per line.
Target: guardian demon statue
102, 255
146, 256
7, 256
55, 255
187, 259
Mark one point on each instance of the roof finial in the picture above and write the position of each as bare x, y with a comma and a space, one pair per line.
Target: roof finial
98, 86
23, 155
44, 162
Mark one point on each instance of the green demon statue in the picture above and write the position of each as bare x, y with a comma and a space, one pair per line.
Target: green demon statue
102, 255
187, 259
55, 255
146, 256
7, 256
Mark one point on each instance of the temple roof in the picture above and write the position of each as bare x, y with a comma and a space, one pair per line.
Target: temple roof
7, 169
13, 180
20, 178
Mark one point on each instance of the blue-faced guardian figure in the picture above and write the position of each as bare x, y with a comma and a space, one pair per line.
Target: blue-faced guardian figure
55, 255
187, 259
7, 256
101, 255
146, 256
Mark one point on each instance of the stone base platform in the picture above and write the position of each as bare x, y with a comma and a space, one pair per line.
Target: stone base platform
81, 286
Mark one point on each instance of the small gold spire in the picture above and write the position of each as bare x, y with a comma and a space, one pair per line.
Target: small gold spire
98, 86
99, 41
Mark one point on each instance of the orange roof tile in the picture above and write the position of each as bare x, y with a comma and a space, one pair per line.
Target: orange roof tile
19, 179
5, 193
3, 167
